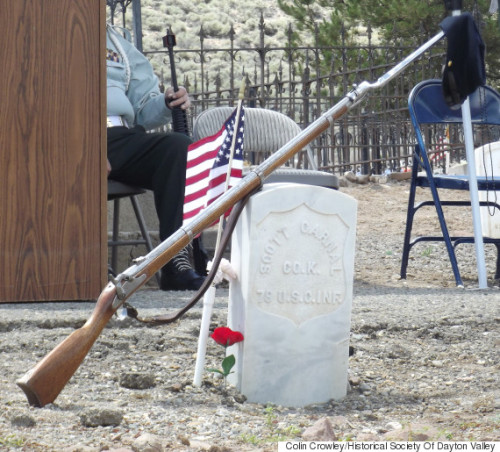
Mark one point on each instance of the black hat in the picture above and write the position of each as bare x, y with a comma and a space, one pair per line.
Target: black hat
464, 69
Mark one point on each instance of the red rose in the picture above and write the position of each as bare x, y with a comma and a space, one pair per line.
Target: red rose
226, 336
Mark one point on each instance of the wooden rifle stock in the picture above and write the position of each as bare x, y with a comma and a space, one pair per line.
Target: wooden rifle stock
45, 381
179, 118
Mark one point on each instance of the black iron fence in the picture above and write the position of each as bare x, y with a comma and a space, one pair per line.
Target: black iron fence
306, 81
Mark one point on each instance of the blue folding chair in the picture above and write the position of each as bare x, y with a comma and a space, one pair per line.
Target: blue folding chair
427, 106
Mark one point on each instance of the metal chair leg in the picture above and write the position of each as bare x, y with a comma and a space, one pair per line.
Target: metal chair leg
115, 243
444, 230
116, 233
409, 219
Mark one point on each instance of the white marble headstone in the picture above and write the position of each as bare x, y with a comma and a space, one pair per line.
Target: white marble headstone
293, 250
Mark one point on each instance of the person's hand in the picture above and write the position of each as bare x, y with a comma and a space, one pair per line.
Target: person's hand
177, 99
109, 167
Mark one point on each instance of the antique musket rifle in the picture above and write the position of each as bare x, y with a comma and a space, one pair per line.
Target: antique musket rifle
43, 383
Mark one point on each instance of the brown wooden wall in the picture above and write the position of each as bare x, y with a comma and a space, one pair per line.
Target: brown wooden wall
52, 150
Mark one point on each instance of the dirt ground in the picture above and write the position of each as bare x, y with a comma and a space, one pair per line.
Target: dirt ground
424, 364
381, 226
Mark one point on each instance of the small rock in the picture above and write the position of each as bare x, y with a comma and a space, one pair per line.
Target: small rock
397, 351
176, 387
80, 448
219, 449
350, 176
354, 380
200, 445
23, 420
137, 380
414, 432
379, 178
393, 426
339, 421
147, 443
240, 398
322, 430
95, 417
364, 387
367, 436
400, 176
368, 415
363, 179
343, 182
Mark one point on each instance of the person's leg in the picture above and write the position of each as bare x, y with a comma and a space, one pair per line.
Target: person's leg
157, 161
154, 161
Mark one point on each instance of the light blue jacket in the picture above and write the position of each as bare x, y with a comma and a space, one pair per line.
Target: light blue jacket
132, 87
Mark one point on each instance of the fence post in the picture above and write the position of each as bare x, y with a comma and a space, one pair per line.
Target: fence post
306, 90
262, 57
201, 34
137, 17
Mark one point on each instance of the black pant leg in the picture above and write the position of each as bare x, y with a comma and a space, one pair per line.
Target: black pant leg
155, 161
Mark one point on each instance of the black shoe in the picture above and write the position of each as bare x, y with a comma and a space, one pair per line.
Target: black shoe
179, 275
183, 280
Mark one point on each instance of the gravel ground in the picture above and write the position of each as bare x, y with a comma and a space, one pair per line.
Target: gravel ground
425, 363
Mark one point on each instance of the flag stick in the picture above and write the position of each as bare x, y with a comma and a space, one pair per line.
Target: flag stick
231, 155
208, 304
209, 296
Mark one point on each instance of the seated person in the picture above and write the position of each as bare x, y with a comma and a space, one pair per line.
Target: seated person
154, 161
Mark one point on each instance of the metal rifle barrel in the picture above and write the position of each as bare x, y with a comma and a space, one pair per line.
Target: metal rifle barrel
179, 118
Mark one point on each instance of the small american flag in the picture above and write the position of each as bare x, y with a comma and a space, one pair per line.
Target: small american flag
207, 165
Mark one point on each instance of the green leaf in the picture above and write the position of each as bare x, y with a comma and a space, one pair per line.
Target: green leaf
227, 364
216, 371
